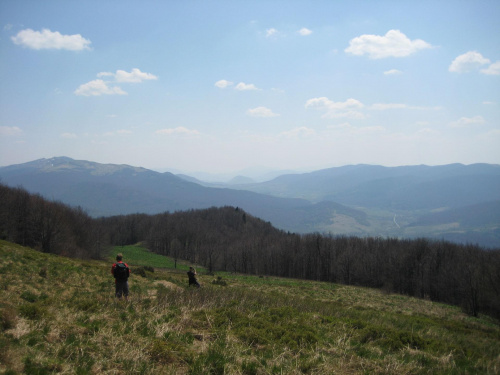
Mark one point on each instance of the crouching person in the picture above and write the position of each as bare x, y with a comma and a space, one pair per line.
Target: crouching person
192, 278
121, 272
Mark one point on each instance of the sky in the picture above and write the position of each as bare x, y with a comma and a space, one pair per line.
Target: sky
224, 86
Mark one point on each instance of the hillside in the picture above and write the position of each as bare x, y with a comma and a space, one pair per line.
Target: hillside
57, 315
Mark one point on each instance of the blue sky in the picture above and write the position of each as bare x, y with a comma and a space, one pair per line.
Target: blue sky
220, 86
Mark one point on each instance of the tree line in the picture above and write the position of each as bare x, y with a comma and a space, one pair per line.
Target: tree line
229, 239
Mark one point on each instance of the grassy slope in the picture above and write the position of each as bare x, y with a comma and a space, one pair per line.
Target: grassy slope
58, 315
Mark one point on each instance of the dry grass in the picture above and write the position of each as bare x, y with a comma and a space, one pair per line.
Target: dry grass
58, 315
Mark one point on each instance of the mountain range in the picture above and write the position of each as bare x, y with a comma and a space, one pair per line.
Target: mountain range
455, 202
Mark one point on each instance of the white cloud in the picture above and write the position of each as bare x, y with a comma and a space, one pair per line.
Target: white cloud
467, 62
300, 132
493, 69
47, 39
467, 121
261, 112
135, 76
324, 102
10, 130
179, 130
337, 109
242, 86
245, 87
98, 87
393, 44
305, 31
270, 32
222, 84
351, 108
393, 72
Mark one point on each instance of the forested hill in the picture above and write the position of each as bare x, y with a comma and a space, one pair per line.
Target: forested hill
109, 189
229, 239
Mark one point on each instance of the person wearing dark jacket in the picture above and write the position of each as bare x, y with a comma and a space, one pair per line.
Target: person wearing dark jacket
121, 272
192, 277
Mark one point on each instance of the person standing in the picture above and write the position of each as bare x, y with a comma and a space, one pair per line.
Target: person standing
121, 273
192, 277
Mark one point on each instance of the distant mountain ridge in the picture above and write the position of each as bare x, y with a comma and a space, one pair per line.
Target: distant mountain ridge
109, 189
407, 187
354, 200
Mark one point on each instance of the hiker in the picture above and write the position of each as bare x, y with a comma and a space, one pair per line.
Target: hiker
192, 277
121, 272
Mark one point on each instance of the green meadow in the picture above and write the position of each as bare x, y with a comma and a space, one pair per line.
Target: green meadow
59, 316
139, 256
